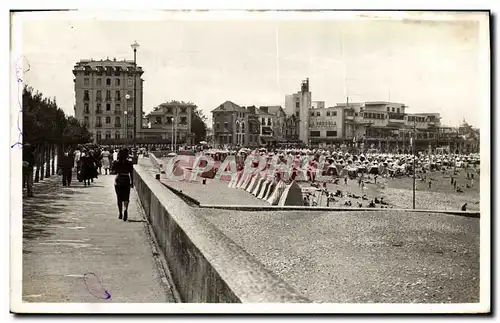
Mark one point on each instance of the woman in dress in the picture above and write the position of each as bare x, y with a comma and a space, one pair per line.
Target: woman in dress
105, 160
124, 181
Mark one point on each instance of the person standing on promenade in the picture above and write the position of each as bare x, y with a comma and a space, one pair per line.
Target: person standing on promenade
124, 181
28, 165
66, 165
105, 160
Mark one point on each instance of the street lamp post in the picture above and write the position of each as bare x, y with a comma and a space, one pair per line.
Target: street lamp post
126, 125
135, 46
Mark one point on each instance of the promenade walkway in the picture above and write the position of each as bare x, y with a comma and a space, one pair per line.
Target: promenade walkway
75, 248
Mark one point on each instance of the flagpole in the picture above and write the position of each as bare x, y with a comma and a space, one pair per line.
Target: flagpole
413, 150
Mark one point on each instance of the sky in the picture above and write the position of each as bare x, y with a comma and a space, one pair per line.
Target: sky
431, 66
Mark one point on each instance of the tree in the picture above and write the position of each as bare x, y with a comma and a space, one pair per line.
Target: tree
198, 125
48, 129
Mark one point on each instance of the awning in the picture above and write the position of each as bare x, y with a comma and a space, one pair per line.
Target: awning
267, 131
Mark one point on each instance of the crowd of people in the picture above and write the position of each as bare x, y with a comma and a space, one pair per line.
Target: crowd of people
340, 166
88, 162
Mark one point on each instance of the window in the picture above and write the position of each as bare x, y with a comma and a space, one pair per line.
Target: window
312, 114
217, 125
129, 81
242, 127
398, 110
225, 125
86, 108
393, 109
118, 96
86, 81
108, 120
158, 120
130, 134
183, 110
327, 113
117, 135
117, 107
108, 135
184, 120
334, 113
86, 95
109, 71
87, 70
332, 133
314, 133
98, 95
297, 114
169, 110
117, 82
269, 121
98, 108
297, 104
98, 121
388, 109
108, 81
108, 106
318, 114
99, 82
117, 73
86, 121
263, 122
108, 95
355, 114
169, 119
98, 136
117, 122
99, 70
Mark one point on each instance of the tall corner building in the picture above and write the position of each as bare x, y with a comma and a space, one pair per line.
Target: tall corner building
298, 104
104, 98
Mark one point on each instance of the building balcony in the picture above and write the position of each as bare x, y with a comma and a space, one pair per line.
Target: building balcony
86, 99
98, 111
118, 98
98, 125
98, 98
109, 99
118, 112
118, 125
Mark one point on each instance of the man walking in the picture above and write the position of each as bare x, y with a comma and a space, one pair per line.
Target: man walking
67, 163
28, 164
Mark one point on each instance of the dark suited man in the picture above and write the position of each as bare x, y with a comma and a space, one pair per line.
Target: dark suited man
67, 163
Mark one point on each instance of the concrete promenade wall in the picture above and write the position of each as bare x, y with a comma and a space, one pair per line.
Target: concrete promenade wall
205, 265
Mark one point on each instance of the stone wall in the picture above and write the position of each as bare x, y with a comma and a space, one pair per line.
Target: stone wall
205, 265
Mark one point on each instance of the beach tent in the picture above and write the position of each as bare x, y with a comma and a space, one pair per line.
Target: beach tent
235, 179
258, 186
292, 195
252, 184
264, 188
242, 179
270, 190
248, 180
278, 191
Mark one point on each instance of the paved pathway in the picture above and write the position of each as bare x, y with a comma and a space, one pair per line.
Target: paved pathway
75, 248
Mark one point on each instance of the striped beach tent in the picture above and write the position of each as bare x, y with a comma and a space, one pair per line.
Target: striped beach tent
235, 179
252, 184
264, 189
258, 185
270, 190
278, 191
